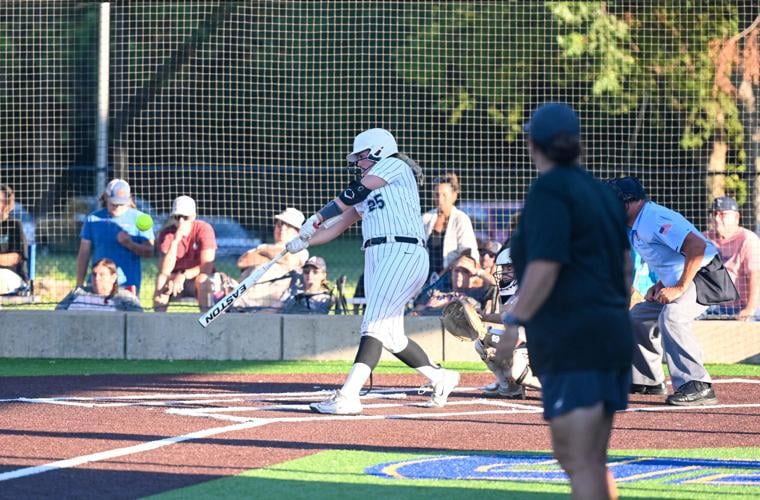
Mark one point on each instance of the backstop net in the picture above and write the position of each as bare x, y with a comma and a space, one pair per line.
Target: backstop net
251, 107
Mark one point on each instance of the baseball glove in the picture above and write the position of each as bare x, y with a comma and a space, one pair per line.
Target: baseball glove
461, 319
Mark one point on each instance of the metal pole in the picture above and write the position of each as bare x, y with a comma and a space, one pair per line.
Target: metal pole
101, 166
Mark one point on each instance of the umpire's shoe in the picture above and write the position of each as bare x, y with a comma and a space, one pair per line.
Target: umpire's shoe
657, 389
338, 404
694, 393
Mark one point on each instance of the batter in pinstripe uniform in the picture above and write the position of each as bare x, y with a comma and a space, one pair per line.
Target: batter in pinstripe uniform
385, 197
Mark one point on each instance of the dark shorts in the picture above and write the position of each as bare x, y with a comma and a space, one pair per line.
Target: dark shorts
566, 391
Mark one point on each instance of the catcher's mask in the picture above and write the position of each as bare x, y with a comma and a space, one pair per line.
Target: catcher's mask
505, 275
373, 144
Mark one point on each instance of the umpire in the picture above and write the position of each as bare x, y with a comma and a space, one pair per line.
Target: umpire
676, 251
572, 260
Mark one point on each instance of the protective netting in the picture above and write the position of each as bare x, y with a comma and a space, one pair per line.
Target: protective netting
251, 107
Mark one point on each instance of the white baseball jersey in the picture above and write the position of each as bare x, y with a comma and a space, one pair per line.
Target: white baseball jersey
394, 209
394, 272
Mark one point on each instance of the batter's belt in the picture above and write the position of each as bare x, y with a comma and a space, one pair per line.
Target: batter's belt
398, 239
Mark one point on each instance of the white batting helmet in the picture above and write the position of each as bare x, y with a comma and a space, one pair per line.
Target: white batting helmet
505, 275
380, 142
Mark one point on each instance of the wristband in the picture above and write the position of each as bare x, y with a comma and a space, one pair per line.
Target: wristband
510, 319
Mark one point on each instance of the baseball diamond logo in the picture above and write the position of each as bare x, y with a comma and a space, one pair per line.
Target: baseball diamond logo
544, 468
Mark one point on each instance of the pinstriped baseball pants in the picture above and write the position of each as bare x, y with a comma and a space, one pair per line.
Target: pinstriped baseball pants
394, 274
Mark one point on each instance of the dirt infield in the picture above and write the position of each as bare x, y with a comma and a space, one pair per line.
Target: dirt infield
129, 436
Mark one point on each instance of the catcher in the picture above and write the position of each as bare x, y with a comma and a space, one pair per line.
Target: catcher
506, 357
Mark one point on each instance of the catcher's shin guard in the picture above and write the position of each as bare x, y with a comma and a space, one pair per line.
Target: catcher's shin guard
521, 371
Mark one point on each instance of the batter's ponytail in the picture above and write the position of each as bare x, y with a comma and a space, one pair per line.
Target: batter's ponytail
418, 173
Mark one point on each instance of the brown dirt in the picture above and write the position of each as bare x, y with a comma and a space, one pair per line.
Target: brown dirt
35, 434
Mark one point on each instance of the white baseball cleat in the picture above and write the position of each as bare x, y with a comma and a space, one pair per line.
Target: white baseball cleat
338, 404
443, 388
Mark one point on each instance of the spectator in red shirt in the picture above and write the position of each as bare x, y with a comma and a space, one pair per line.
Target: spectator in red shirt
740, 250
187, 249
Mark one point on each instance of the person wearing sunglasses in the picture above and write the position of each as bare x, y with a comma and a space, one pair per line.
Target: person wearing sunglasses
488, 252
740, 250
187, 249
266, 295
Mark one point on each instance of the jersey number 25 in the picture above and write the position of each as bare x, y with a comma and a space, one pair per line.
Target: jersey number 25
375, 201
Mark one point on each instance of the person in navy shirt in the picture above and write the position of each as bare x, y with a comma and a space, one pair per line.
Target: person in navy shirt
112, 233
675, 251
571, 257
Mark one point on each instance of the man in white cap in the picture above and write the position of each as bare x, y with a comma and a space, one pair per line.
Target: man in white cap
112, 233
187, 249
267, 293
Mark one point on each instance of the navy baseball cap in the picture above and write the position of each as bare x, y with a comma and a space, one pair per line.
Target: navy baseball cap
628, 188
550, 120
725, 204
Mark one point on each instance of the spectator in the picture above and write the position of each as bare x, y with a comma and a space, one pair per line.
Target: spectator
103, 200
488, 251
111, 233
312, 295
677, 253
464, 282
448, 229
572, 260
187, 249
13, 246
740, 250
268, 291
103, 295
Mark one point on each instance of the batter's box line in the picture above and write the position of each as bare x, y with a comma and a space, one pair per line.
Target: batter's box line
224, 413
165, 399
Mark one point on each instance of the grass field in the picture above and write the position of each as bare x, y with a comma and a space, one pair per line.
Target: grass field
343, 256
18, 367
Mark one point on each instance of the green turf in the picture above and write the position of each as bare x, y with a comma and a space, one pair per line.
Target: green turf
47, 367
340, 474
12, 367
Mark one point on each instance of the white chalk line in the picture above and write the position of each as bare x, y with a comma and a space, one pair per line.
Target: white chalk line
242, 423
129, 450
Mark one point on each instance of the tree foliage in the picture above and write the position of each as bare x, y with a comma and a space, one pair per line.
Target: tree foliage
679, 57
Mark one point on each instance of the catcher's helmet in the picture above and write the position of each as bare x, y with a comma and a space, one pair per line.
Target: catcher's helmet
505, 275
380, 142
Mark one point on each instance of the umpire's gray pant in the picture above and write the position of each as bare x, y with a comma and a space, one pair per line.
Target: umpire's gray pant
656, 326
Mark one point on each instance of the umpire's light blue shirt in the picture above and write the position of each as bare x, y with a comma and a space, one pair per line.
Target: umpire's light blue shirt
657, 235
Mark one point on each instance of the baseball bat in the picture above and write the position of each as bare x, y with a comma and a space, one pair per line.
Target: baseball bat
226, 302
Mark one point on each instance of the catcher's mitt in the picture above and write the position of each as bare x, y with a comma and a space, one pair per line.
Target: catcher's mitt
461, 319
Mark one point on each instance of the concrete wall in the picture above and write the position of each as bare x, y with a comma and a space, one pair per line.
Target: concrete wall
104, 335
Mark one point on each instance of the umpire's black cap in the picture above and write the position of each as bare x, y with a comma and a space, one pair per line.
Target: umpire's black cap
551, 120
628, 188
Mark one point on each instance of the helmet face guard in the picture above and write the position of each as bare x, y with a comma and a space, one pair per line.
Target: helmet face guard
505, 275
